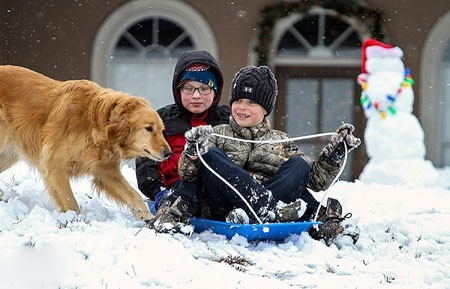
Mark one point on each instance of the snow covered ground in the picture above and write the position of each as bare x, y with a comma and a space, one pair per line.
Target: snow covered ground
404, 243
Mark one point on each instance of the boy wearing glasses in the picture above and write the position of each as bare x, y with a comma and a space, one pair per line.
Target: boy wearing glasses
197, 87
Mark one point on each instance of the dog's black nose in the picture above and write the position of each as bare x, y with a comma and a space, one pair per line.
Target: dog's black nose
167, 153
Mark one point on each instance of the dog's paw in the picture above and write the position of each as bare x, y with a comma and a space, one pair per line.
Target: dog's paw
143, 215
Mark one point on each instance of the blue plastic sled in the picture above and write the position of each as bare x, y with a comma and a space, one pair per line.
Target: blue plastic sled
253, 232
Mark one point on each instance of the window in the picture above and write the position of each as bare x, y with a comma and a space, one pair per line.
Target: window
145, 54
320, 35
153, 38
137, 46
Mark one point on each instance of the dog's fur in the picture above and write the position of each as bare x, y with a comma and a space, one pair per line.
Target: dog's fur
76, 128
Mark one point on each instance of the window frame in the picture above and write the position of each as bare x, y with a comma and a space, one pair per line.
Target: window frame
126, 15
283, 25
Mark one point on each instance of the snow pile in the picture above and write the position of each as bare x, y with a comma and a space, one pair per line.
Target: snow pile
404, 243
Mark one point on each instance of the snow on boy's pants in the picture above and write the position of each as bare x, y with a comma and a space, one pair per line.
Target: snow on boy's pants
287, 185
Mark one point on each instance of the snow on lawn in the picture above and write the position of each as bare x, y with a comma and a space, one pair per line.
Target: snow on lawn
404, 243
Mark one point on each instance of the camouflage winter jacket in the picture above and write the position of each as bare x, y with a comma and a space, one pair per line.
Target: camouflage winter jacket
262, 161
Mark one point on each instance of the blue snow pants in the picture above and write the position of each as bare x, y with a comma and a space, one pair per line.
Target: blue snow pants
287, 185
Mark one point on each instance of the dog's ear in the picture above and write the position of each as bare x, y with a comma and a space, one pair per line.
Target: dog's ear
117, 131
120, 121
119, 126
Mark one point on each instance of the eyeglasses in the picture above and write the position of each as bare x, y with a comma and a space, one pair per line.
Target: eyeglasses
203, 90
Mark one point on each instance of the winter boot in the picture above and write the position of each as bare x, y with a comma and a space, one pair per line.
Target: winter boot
289, 212
237, 216
351, 231
164, 221
171, 217
331, 226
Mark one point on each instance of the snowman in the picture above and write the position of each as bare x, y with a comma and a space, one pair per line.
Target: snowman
393, 135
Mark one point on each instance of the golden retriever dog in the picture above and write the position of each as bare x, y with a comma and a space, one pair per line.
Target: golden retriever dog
68, 129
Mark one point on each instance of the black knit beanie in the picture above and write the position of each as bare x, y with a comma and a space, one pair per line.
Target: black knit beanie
257, 84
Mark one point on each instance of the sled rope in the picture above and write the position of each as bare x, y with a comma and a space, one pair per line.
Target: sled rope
229, 185
275, 141
271, 142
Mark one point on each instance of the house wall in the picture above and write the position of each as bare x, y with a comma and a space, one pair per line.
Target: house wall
56, 37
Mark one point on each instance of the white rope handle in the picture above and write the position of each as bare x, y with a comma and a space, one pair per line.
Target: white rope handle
275, 141
270, 142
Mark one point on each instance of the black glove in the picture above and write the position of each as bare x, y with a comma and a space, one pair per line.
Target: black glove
335, 150
198, 135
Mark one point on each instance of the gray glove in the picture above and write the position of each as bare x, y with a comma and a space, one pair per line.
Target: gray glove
335, 150
198, 135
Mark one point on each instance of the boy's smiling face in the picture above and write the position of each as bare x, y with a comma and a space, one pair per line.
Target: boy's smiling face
247, 113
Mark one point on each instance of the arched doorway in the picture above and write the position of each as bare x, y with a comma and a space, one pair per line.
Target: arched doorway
435, 104
316, 55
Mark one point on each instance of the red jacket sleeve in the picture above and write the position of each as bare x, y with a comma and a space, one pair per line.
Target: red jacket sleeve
169, 166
